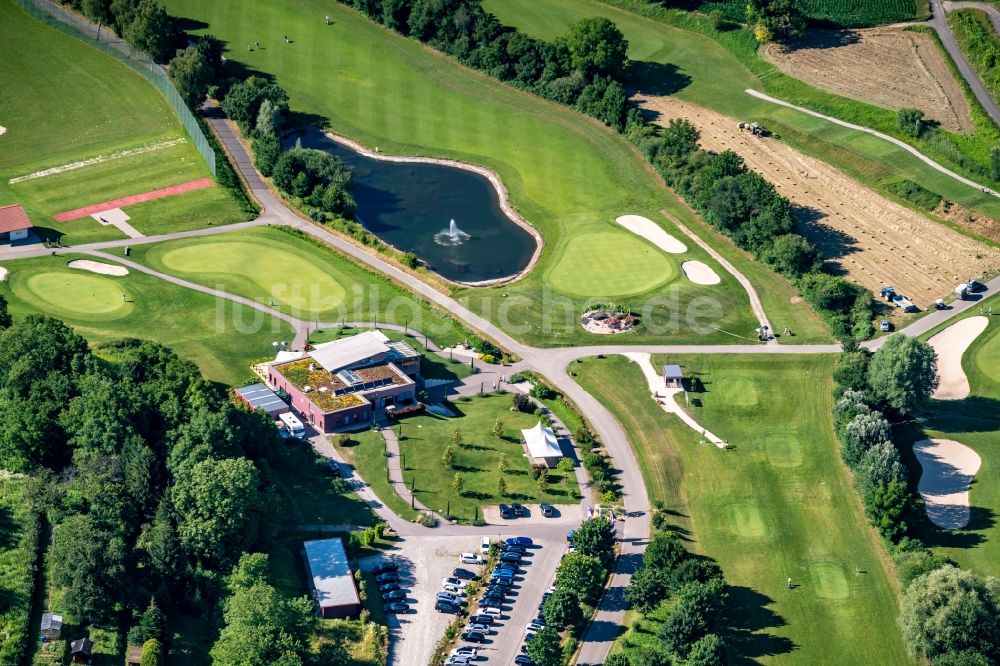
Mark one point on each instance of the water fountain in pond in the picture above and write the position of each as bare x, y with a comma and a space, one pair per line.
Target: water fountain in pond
451, 236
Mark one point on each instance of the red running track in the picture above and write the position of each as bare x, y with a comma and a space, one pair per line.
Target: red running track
134, 199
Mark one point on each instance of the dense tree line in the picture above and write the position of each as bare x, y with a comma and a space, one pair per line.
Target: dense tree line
947, 615
154, 481
693, 592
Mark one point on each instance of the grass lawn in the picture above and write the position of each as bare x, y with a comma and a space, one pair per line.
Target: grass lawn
566, 174
300, 277
425, 437
779, 504
16, 573
974, 422
64, 102
366, 453
307, 485
714, 72
195, 325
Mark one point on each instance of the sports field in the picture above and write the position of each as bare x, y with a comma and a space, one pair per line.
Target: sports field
779, 504
196, 326
699, 69
566, 174
66, 103
298, 276
975, 422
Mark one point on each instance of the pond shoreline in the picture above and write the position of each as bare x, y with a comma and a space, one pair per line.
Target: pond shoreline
494, 180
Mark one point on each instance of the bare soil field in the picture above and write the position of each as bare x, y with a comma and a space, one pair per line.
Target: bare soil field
866, 237
889, 67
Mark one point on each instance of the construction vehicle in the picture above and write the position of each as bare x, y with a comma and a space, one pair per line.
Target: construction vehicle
902, 302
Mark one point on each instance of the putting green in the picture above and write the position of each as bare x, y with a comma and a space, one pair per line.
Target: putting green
745, 519
987, 357
783, 450
72, 292
288, 279
829, 581
610, 263
739, 391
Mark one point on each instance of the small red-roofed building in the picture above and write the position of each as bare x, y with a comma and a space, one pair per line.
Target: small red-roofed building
14, 224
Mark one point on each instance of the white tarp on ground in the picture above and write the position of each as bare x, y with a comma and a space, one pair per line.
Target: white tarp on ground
541, 442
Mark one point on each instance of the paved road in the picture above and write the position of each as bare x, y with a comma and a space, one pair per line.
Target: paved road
990, 10
939, 22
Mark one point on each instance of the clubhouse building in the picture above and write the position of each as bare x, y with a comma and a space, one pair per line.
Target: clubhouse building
346, 382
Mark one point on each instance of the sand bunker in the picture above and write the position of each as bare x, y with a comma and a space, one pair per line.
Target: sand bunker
949, 468
3, 273
700, 273
98, 267
3, 129
950, 345
652, 232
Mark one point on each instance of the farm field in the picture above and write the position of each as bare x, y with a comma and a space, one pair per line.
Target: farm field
425, 438
912, 71
16, 572
869, 239
92, 109
195, 325
301, 278
686, 61
778, 505
565, 173
975, 422
847, 13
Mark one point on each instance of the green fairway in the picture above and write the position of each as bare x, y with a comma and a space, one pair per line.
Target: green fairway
297, 275
221, 340
66, 102
74, 293
610, 263
565, 173
974, 422
425, 437
695, 67
763, 522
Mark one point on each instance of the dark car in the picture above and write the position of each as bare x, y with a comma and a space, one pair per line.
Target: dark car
464, 574
497, 589
333, 468
518, 509
397, 607
394, 595
547, 510
520, 541
545, 597
445, 607
505, 581
508, 558
388, 587
387, 577
473, 636
385, 567
482, 619
523, 660
492, 602
506, 512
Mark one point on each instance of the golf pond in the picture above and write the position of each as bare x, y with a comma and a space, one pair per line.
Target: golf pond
450, 217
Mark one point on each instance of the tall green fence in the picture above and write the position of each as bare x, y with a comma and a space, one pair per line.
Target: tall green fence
103, 39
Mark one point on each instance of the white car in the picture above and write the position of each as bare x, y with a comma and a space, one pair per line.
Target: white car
450, 598
470, 558
481, 628
495, 612
455, 582
484, 545
451, 589
458, 660
464, 651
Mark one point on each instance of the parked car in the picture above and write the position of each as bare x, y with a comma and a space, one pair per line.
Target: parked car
481, 628
539, 620
487, 604
545, 597
518, 509
467, 650
520, 541
473, 636
503, 581
384, 567
464, 574
547, 510
395, 595
513, 549
482, 619
460, 591
333, 468
455, 582
493, 612
457, 660
495, 596
397, 607
470, 558
484, 545
506, 512
513, 558
387, 577
450, 598
504, 571
508, 565
388, 587
533, 627
445, 607
523, 660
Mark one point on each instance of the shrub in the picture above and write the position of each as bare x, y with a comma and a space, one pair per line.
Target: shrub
542, 392
915, 194
863, 432
152, 653
266, 150
522, 403
911, 121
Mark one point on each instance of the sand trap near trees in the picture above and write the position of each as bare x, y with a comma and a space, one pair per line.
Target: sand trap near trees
700, 273
948, 470
652, 232
950, 345
98, 267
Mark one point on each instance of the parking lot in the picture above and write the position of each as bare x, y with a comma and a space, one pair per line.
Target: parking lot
425, 561
569, 515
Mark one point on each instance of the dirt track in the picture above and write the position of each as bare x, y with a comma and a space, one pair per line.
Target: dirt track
872, 240
888, 67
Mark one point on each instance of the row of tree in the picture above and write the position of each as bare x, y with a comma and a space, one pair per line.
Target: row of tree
579, 582
946, 615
